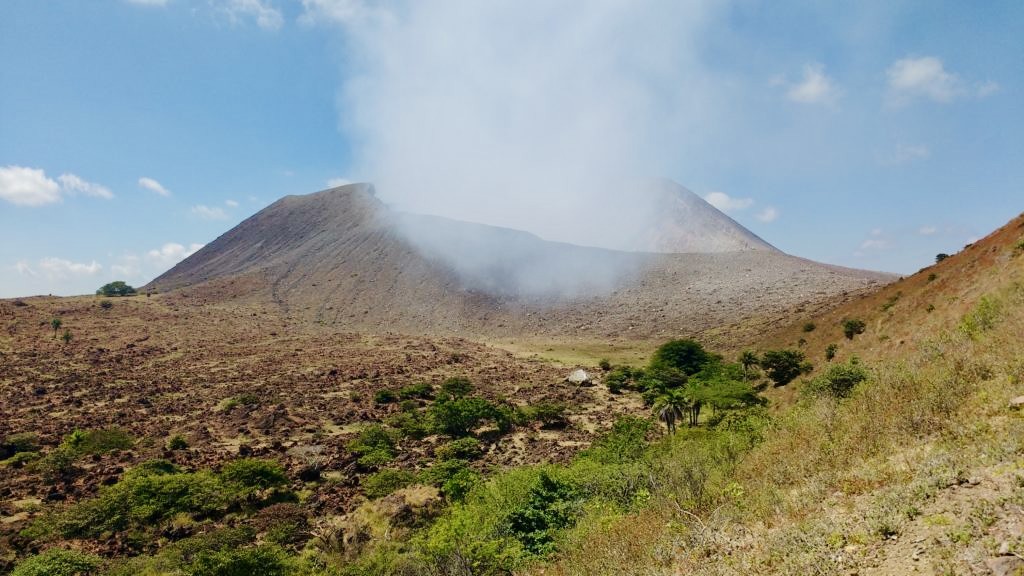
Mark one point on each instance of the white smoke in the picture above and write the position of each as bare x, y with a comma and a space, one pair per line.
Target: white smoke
532, 114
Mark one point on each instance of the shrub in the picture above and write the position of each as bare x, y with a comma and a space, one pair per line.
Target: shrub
461, 449
21, 459
116, 288
891, 301
687, 356
177, 442
59, 562
263, 560
386, 481
421, 390
618, 378
783, 366
982, 317
250, 475
625, 442
830, 351
106, 304
549, 414
852, 327
604, 364
385, 397
453, 476
940, 257
456, 387
374, 446
552, 505
809, 326
932, 277
839, 380
16, 443
411, 423
459, 416
97, 441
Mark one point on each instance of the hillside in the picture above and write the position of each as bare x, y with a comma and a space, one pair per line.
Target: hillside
341, 258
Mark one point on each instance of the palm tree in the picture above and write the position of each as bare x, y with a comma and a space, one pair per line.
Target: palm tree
749, 359
670, 407
56, 323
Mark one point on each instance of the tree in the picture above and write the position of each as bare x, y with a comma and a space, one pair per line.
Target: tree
940, 257
830, 351
840, 380
783, 366
116, 288
670, 406
852, 327
56, 323
685, 355
66, 336
749, 359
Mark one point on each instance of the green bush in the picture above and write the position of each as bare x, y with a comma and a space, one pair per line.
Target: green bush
106, 304
410, 423
374, 446
422, 390
83, 442
263, 560
461, 449
604, 364
21, 459
830, 351
983, 317
59, 562
839, 380
549, 414
177, 442
116, 288
385, 396
940, 257
625, 442
852, 327
783, 366
552, 506
456, 387
386, 481
459, 416
453, 476
250, 475
20, 442
618, 378
809, 326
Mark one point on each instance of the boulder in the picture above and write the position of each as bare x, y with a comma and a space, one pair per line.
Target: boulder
579, 377
1017, 403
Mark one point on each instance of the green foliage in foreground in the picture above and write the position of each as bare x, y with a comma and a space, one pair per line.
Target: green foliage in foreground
59, 562
59, 462
839, 380
157, 490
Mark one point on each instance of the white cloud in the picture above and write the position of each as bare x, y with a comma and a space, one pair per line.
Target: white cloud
873, 244
231, 203
726, 203
767, 214
876, 231
72, 184
171, 253
814, 88
924, 77
209, 212
148, 2
32, 187
59, 268
906, 154
153, 186
343, 12
335, 182
27, 186
266, 15
927, 230
24, 268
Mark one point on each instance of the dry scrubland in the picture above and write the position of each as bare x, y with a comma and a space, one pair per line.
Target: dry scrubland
916, 465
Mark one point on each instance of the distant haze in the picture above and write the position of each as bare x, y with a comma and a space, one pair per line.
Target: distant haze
535, 115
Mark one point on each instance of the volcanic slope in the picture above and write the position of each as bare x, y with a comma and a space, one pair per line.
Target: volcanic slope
341, 257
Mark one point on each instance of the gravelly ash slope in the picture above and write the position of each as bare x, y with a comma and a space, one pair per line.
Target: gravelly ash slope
341, 257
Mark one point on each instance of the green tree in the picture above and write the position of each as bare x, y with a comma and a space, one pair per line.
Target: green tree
687, 356
830, 351
852, 327
56, 323
66, 336
783, 366
116, 288
670, 407
749, 359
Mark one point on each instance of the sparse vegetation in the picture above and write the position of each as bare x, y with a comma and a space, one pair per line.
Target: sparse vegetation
59, 562
830, 351
809, 326
783, 366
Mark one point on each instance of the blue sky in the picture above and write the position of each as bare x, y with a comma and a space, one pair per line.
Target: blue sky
868, 134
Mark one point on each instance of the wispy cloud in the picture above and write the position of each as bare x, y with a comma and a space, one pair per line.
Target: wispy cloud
148, 2
335, 182
814, 88
906, 154
926, 78
72, 184
231, 203
767, 214
927, 230
171, 253
153, 186
344, 12
209, 212
58, 268
726, 203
